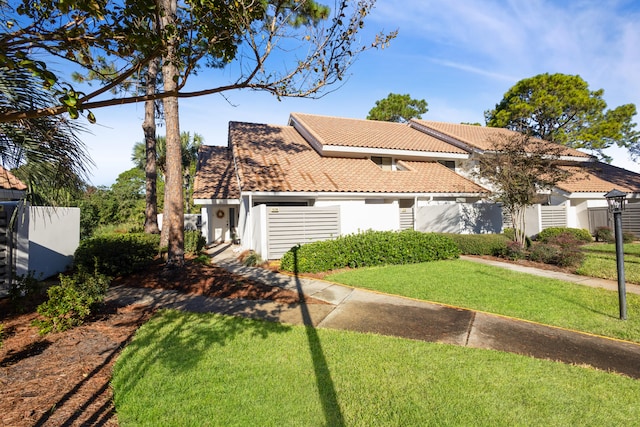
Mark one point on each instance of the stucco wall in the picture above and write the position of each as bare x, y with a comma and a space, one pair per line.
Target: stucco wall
54, 236
362, 215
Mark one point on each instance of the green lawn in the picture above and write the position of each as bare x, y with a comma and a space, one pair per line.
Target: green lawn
185, 369
600, 262
497, 290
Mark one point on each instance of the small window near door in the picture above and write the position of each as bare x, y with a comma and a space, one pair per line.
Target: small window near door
385, 163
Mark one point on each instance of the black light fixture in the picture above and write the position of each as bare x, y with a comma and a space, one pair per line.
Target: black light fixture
616, 201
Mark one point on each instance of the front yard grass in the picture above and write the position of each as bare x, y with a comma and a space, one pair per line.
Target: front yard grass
600, 261
203, 369
496, 290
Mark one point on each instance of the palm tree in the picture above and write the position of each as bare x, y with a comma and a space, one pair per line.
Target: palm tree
45, 153
189, 149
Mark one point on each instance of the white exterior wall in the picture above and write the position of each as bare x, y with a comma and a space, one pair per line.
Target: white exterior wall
54, 236
205, 230
358, 215
244, 229
258, 223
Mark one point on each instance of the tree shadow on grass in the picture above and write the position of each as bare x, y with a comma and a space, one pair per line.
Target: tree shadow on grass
328, 395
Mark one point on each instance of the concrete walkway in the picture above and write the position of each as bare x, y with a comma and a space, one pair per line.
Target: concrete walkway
364, 311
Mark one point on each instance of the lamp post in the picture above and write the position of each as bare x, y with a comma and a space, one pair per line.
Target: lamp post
616, 200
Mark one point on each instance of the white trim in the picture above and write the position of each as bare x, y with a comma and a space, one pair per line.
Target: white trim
216, 201
350, 195
390, 152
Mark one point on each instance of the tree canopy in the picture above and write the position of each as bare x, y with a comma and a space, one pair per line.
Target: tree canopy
398, 108
517, 168
561, 108
125, 36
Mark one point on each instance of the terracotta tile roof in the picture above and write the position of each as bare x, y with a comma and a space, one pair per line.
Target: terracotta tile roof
480, 137
599, 178
277, 158
8, 181
337, 131
215, 175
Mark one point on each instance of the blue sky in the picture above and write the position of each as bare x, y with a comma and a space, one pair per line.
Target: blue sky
460, 56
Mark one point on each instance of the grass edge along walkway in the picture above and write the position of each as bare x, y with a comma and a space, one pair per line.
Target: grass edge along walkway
491, 289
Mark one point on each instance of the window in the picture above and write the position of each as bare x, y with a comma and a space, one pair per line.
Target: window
385, 163
448, 163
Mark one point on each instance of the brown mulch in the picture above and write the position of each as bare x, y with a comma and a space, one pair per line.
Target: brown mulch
63, 378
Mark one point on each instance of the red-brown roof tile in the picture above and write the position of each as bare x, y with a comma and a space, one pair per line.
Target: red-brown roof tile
480, 137
599, 178
338, 131
215, 175
277, 158
8, 181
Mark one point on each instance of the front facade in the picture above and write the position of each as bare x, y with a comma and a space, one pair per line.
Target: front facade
318, 177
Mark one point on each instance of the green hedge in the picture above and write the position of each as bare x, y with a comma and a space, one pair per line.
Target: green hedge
552, 232
368, 249
480, 244
116, 254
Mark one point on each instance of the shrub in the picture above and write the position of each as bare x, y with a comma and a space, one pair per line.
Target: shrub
23, 289
72, 301
368, 249
513, 251
580, 234
628, 237
544, 252
604, 234
480, 244
194, 242
510, 234
562, 250
116, 254
250, 259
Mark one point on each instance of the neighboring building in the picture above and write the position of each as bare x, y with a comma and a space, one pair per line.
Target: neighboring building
35, 239
318, 177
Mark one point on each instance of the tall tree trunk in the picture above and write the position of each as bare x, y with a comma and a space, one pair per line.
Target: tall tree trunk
151, 171
173, 219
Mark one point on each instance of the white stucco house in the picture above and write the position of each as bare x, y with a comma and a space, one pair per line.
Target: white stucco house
318, 177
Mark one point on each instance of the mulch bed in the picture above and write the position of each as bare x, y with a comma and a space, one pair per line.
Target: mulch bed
63, 378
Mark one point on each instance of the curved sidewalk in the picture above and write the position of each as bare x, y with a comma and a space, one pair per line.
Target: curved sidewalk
365, 311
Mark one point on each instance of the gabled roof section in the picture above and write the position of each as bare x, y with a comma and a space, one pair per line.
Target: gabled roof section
599, 178
479, 137
340, 136
278, 159
215, 174
8, 181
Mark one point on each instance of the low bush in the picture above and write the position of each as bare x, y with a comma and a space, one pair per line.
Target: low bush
250, 259
194, 242
604, 234
116, 254
562, 250
513, 251
24, 289
510, 234
368, 249
480, 244
579, 234
628, 237
71, 302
